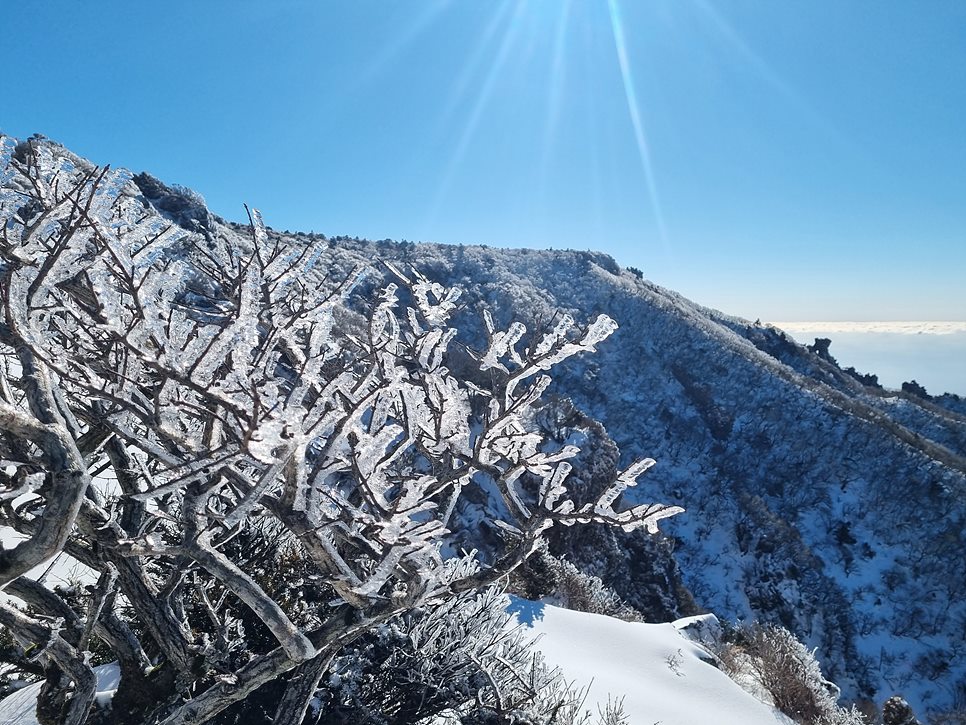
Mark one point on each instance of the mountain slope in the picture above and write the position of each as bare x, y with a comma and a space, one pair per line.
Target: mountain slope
812, 501
659, 675
835, 509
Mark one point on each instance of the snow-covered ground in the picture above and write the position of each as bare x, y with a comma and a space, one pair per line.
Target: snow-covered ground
663, 676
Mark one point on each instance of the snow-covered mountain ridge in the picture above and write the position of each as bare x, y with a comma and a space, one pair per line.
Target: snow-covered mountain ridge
812, 500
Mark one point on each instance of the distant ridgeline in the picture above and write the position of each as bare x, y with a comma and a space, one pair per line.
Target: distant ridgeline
813, 499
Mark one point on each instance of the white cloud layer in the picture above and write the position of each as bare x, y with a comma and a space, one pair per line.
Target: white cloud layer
931, 353
895, 327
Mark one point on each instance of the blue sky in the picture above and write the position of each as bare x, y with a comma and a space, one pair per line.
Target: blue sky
792, 160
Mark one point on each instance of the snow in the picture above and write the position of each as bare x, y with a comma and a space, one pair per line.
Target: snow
21, 706
662, 675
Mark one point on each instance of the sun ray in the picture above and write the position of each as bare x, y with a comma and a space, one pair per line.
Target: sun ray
476, 113
470, 67
633, 109
554, 99
401, 41
764, 70
596, 178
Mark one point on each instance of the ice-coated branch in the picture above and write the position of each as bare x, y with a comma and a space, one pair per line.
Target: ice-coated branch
41, 640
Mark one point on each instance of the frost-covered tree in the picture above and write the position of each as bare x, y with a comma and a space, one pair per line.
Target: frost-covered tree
172, 399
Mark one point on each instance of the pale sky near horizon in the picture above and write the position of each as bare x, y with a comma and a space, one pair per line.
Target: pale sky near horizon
931, 353
794, 160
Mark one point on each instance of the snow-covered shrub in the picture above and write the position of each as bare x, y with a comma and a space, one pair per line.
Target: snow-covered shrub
462, 656
463, 660
544, 576
585, 593
896, 711
169, 395
788, 673
537, 577
613, 714
573, 710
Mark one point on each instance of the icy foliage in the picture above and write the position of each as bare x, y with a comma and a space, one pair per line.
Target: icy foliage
463, 658
787, 672
219, 383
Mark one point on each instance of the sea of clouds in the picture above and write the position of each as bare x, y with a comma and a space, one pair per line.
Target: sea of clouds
931, 353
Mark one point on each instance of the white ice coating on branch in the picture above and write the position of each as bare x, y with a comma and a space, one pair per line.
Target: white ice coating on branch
435, 313
6, 173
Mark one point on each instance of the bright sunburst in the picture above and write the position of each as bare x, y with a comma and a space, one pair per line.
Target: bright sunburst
580, 53
512, 31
